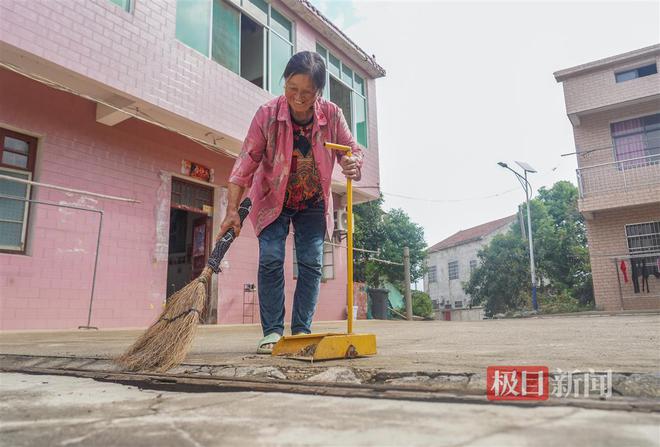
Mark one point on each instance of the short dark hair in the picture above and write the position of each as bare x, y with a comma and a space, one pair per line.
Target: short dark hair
309, 63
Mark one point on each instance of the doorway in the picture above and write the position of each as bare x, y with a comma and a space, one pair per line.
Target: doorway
190, 235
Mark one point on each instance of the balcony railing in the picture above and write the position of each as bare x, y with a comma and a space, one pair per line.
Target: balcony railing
623, 175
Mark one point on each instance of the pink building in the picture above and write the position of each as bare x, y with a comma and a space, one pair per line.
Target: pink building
150, 100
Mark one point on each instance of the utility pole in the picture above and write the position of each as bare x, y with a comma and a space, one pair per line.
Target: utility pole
521, 221
535, 303
406, 274
528, 192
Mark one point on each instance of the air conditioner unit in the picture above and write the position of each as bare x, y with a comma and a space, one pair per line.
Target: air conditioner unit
341, 221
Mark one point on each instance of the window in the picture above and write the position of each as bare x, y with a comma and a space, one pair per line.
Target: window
249, 37
640, 72
124, 4
341, 95
636, 140
281, 50
328, 262
433, 274
473, 264
252, 43
346, 88
643, 238
452, 270
193, 26
458, 304
17, 154
225, 44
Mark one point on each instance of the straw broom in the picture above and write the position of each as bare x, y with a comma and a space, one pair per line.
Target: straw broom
166, 342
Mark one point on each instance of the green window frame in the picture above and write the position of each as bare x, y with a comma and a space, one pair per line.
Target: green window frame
222, 30
347, 89
123, 4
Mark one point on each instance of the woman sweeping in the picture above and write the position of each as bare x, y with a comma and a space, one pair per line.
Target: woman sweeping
288, 172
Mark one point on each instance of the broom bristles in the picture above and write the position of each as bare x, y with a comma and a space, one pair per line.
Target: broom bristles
166, 342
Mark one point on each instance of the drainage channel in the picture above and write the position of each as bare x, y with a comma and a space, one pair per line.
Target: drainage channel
196, 383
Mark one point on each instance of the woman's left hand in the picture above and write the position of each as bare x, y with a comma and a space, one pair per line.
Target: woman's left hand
349, 167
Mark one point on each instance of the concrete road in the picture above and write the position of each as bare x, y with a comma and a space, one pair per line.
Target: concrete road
624, 343
63, 411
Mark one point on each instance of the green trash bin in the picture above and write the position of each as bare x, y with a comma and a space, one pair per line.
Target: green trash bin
379, 303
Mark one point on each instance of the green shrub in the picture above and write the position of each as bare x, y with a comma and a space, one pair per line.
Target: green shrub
561, 302
421, 304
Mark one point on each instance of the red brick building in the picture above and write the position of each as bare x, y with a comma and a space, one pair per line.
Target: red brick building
614, 107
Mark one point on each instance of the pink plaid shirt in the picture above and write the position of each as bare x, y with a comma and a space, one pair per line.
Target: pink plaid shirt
265, 159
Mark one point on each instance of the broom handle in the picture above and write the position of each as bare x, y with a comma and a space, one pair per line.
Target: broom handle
223, 243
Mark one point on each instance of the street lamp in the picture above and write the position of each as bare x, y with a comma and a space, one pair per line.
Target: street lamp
528, 192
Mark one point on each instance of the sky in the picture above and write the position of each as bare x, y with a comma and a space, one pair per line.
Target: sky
470, 84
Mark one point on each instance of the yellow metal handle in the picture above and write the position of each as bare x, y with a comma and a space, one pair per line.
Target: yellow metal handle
349, 238
338, 147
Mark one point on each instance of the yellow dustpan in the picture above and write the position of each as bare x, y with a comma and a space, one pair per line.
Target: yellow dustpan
333, 346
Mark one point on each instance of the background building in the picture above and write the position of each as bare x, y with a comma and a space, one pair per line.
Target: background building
451, 261
149, 100
614, 107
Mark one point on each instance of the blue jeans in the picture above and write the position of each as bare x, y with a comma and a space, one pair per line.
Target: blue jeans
309, 226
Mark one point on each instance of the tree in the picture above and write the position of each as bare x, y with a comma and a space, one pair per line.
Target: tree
560, 251
367, 235
560, 241
399, 232
387, 233
567, 254
502, 275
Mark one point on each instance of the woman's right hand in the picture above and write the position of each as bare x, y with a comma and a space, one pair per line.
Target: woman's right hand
232, 220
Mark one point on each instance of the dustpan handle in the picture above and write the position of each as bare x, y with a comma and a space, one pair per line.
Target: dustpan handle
347, 150
223, 243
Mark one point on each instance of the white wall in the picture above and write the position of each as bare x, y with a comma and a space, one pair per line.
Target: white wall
452, 290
